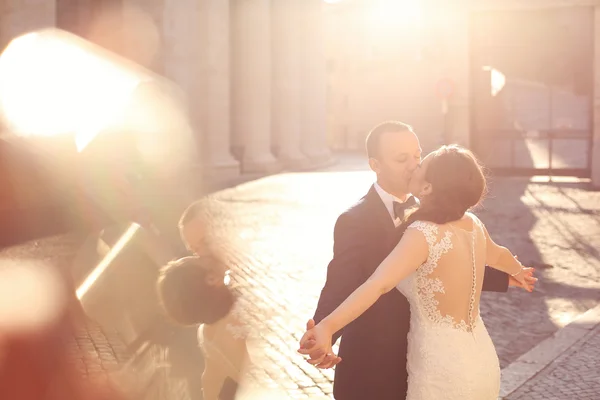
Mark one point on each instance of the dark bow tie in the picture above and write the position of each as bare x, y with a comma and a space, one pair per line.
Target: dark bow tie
399, 208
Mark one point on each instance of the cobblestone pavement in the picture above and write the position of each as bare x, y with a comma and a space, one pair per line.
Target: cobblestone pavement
279, 239
555, 228
573, 376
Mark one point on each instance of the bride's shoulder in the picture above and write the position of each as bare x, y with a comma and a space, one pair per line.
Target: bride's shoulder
421, 225
473, 217
428, 228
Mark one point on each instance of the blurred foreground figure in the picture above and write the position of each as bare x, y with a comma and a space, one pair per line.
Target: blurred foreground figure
194, 291
34, 333
117, 146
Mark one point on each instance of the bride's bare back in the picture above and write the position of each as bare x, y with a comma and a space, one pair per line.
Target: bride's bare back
450, 352
452, 277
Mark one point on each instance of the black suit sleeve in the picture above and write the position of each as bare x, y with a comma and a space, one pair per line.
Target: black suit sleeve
494, 280
345, 271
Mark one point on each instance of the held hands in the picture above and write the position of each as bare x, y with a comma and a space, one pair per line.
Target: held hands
316, 343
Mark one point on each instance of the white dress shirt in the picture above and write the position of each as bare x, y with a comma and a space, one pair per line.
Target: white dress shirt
388, 200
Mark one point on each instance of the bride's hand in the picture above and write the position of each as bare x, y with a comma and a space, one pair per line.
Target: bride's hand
524, 279
316, 343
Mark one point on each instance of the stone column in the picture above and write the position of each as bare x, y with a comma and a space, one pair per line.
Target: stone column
458, 59
72, 16
251, 112
217, 126
20, 17
595, 153
180, 33
286, 103
314, 84
181, 55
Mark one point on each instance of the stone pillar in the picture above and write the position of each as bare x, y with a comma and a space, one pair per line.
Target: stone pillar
217, 126
314, 84
180, 33
251, 111
20, 17
595, 153
286, 103
459, 123
452, 38
181, 55
71, 16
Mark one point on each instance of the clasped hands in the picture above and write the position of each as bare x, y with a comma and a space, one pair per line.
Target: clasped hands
316, 343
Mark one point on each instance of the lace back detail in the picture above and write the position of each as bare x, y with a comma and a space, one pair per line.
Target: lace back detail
430, 283
428, 287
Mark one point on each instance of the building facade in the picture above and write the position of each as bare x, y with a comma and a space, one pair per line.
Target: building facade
273, 85
254, 71
518, 81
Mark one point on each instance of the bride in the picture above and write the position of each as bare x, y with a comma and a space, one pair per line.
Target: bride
438, 265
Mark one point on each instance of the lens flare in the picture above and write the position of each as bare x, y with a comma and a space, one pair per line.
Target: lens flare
51, 85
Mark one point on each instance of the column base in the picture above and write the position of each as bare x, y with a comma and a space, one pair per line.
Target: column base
320, 158
217, 173
224, 163
226, 171
295, 162
266, 165
595, 181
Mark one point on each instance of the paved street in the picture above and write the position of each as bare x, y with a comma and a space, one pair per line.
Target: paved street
281, 238
279, 232
564, 366
573, 376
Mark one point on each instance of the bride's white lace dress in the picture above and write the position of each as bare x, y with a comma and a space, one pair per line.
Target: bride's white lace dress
450, 353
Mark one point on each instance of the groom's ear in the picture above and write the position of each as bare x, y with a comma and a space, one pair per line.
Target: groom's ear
374, 164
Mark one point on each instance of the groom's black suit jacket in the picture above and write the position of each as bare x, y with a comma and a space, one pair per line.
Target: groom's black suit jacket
373, 347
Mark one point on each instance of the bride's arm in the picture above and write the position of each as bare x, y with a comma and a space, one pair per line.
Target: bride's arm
499, 257
407, 256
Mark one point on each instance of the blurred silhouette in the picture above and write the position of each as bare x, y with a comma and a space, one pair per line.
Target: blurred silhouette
35, 327
194, 290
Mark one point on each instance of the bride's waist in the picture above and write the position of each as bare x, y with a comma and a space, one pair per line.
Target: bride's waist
448, 328
453, 342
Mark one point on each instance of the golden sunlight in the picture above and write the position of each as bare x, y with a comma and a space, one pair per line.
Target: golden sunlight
497, 80
391, 22
396, 12
107, 261
55, 83
51, 84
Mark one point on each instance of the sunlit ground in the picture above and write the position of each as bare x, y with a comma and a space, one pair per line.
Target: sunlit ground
280, 236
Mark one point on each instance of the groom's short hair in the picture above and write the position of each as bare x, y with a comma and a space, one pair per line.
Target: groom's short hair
195, 210
374, 137
205, 209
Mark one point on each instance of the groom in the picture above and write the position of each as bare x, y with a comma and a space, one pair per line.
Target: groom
374, 346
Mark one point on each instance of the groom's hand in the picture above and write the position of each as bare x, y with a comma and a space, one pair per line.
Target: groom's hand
306, 343
316, 357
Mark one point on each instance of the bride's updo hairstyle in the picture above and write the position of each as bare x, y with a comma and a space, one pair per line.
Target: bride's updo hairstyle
457, 185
